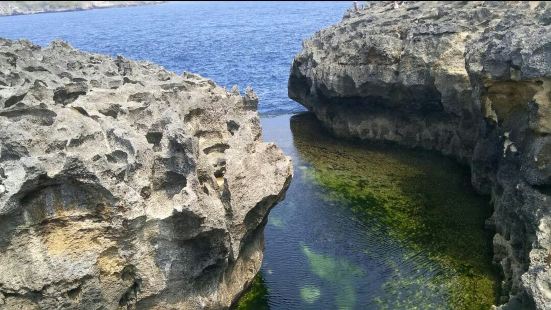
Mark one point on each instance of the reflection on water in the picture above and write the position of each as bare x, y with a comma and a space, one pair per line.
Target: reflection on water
372, 227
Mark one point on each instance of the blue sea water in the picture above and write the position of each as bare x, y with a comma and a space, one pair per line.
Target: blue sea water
233, 43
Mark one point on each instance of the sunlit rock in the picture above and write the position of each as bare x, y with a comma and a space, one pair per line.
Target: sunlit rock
124, 185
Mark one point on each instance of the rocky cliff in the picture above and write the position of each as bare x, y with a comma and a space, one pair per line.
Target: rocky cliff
34, 7
469, 79
124, 185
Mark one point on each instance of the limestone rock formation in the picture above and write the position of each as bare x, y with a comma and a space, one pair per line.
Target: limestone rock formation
34, 7
124, 185
469, 79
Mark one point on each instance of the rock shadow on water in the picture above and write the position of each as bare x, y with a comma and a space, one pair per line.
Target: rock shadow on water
419, 199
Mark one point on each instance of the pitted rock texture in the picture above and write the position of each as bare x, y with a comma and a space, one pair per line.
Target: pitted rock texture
123, 185
34, 7
469, 79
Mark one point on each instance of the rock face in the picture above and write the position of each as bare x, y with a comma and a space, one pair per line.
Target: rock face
34, 7
124, 185
469, 79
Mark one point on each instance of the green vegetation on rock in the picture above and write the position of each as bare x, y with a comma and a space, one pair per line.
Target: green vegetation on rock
255, 298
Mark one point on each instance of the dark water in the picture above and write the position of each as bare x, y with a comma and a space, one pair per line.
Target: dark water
362, 227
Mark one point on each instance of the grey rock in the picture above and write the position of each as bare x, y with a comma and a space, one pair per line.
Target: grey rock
469, 79
151, 195
34, 7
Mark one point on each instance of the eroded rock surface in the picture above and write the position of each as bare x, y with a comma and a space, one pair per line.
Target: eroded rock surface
469, 79
124, 185
35, 7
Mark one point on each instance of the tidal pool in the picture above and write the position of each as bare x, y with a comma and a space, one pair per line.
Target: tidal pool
372, 226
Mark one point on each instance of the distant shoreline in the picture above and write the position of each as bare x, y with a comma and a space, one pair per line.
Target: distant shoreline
78, 6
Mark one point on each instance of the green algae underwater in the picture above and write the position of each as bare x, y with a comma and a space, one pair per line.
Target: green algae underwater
416, 205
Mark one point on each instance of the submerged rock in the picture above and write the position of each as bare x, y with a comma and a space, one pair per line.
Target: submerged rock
124, 185
469, 79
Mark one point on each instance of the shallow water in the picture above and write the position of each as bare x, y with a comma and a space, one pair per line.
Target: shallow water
362, 227
372, 227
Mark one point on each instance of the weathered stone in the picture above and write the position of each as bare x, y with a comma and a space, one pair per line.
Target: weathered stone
469, 79
123, 197
69, 93
34, 7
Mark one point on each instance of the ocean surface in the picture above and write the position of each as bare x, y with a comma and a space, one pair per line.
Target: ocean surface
362, 226
245, 43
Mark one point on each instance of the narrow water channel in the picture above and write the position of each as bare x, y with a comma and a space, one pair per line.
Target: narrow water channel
372, 227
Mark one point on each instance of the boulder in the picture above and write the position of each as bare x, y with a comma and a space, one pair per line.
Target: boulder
124, 185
